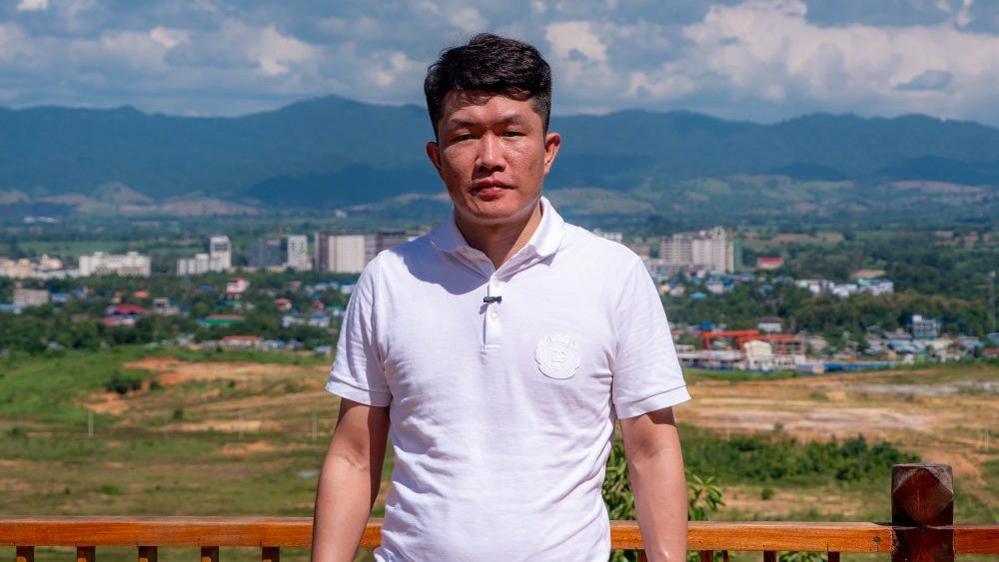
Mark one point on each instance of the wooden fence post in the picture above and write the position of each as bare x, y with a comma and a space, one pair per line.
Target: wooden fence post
922, 498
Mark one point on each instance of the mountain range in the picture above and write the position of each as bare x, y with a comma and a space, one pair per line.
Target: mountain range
333, 152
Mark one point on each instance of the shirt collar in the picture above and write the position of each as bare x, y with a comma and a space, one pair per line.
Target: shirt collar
545, 241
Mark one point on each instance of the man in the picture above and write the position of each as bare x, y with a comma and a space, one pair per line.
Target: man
497, 351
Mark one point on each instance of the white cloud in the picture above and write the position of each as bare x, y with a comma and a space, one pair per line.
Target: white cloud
32, 5
755, 59
579, 36
770, 51
467, 19
275, 52
963, 16
386, 68
169, 38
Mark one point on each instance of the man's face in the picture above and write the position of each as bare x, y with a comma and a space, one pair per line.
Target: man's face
492, 155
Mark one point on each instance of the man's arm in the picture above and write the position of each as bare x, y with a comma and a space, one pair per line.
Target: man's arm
349, 481
655, 466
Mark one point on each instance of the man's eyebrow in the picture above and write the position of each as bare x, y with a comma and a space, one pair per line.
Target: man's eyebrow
514, 118
455, 122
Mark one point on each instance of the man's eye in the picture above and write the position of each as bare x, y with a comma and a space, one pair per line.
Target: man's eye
513, 134
462, 137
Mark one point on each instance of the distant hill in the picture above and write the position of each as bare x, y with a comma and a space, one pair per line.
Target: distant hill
333, 152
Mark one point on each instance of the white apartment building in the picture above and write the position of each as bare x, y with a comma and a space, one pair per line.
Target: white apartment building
296, 252
712, 250
220, 253
100, 263
24, 268
349, 253
343, 253
217, 259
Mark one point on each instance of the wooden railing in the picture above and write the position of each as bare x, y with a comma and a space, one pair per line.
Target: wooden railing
921, 530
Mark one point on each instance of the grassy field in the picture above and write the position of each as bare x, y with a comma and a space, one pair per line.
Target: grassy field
199, 433
944, 414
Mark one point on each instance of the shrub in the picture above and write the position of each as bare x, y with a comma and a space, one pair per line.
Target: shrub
703, 497
122, 384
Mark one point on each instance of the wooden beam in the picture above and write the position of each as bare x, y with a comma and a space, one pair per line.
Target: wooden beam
625, 535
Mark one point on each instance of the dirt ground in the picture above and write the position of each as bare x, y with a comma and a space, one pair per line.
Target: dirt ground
220, 396
937, 414
943, 415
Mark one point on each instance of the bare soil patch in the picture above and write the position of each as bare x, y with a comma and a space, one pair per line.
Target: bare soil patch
924, 411
173, 371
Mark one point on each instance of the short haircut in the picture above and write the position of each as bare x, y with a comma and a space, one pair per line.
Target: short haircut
493, 65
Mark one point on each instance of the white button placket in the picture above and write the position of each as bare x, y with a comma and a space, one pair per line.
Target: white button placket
493, 330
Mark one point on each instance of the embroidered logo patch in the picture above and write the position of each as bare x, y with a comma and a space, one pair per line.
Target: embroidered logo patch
558, 356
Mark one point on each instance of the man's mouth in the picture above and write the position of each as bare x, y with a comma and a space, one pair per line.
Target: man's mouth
488, 188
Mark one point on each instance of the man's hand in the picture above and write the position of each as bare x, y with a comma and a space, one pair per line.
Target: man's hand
349, 482
655, 466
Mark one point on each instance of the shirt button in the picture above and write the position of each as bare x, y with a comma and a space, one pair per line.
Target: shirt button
493, 314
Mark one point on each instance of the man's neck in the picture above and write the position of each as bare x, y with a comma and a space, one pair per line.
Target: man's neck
500, 242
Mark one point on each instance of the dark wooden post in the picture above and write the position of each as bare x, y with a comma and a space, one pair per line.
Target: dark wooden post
922, 499
86, 553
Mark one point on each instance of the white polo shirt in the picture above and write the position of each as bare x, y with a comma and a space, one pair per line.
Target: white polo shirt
502, 413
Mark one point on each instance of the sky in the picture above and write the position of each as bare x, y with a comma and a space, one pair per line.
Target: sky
756, 60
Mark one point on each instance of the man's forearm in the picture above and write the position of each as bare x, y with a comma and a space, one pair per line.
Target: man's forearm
655, 466
349, 481
343, 503
661, 504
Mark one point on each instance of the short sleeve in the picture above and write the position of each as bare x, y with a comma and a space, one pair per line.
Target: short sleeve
357, 372
647, 375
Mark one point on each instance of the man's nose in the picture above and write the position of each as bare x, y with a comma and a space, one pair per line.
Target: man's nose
490, 152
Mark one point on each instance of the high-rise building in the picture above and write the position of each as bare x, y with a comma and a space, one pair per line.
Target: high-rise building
217, 259
196, 265
343, 253
349, 253
220, 253
100, 263
712, 250
265, 253
677, 251
386, 239
295, 251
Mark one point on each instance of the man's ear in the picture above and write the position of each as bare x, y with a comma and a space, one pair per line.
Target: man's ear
434, 153
553, 141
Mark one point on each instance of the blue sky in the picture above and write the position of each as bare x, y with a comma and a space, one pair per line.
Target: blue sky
759, 60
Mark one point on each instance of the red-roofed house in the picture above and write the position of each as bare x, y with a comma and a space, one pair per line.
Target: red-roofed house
123, 315
769, 263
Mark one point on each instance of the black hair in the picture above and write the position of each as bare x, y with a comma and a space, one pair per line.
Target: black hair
494, 65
